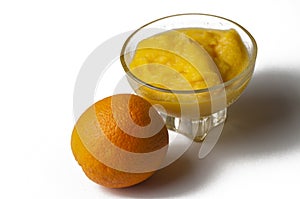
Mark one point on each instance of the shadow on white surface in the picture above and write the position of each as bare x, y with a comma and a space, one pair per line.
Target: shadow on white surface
266, 119
263, 123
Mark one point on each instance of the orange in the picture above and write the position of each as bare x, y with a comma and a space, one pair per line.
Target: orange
120, 141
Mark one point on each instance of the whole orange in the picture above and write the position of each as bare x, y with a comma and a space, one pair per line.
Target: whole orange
120, 141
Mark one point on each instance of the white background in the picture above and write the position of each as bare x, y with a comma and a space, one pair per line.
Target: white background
43, 45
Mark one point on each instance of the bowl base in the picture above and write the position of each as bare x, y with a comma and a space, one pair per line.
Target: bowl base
196, 129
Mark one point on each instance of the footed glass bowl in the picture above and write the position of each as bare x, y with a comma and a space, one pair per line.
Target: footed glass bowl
192, 112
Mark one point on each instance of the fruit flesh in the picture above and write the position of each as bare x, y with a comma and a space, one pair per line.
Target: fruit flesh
225, 47
189, 59
193, 54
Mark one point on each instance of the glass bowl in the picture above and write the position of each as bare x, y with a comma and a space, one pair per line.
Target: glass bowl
190, 112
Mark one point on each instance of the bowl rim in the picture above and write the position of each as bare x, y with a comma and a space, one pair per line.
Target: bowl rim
249, 68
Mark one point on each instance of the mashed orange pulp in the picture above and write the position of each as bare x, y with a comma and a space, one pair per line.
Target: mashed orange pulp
188, 59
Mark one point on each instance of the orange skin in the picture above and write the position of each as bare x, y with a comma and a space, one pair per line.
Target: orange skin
96, 170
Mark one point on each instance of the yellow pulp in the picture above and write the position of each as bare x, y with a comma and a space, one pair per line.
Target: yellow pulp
188, 59
174, 58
